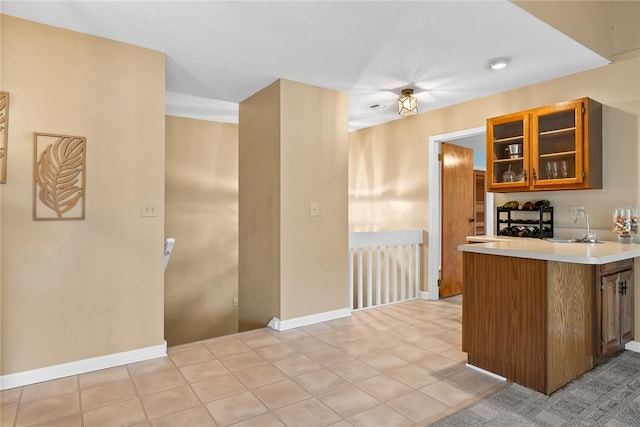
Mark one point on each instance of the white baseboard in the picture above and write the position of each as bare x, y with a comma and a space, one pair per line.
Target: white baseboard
20, 379
633, 346
484, 371
283, 325
424, 295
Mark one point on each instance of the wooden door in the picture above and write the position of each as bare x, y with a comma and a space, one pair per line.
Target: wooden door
457, 214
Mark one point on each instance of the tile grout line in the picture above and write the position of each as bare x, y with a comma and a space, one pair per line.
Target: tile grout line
18, 404
203, 404
80, 407
138, 396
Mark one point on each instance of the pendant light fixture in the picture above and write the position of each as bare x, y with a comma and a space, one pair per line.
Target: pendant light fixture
407, 104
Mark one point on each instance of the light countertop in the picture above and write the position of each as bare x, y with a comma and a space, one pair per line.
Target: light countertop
580, 253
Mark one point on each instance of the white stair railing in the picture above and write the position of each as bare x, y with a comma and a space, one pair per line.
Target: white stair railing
384, 267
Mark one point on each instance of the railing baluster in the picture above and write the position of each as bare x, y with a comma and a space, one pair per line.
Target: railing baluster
402, 276
386, 274
418, 259
394, 271
351, 253
410, 281
369, 277
378, 275
359, 278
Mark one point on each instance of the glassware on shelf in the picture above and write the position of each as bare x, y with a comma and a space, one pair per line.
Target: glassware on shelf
625, 223
564, 168
548, 170
508, 175
554, 170
519, 177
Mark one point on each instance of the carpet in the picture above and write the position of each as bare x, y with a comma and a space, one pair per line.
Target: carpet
608, 395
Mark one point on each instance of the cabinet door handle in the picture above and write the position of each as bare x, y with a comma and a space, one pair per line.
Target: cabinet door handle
535, 178
623, 287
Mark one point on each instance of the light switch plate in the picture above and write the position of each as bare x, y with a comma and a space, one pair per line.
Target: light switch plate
149, 209
315, 209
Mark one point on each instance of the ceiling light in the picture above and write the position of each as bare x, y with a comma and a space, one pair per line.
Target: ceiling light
407, 104
499, 63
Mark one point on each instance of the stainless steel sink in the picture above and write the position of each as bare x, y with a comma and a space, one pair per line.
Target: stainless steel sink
557, 240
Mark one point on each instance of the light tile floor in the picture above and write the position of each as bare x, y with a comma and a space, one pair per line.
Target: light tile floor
398, 365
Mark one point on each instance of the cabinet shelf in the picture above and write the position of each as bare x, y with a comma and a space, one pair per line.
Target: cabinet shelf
519, 159
559, 154
506, 140
522, 221
558, 131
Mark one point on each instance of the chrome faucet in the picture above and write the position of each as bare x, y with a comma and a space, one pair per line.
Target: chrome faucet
589, 236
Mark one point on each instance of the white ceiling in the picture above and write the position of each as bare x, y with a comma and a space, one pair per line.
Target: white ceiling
218, 53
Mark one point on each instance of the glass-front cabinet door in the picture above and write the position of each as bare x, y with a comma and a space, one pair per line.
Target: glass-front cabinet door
557, 146
508, 153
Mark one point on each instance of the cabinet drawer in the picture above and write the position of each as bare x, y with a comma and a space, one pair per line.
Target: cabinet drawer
614, 267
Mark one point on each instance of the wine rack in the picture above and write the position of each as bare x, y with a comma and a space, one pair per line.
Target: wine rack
537, 223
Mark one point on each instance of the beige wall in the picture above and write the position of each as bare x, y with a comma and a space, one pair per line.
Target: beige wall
79, 289
609, 28
293, 151
626, 35
587, 22
201, 213
314, 163
259, 208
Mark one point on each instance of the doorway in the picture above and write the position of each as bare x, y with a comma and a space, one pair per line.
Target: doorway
472, 138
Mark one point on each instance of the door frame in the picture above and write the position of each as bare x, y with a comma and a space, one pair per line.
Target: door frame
435, 203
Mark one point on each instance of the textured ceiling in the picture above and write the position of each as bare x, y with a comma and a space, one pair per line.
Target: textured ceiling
221, 52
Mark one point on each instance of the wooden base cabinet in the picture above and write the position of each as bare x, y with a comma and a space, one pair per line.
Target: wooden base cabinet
540, 323
528, 320
614, 308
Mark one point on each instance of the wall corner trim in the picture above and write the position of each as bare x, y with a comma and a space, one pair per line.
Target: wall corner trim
633, 346
283, 325
20, 379
424, 295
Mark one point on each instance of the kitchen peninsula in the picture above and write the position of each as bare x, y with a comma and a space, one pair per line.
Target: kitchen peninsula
541, 313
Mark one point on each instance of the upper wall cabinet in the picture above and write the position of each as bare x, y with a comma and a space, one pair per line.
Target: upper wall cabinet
558, 147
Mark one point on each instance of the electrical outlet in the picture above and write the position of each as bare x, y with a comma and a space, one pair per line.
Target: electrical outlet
573, 209
235, 302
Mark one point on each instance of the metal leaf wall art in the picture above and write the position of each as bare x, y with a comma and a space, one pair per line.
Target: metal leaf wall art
59, 177
4, 135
